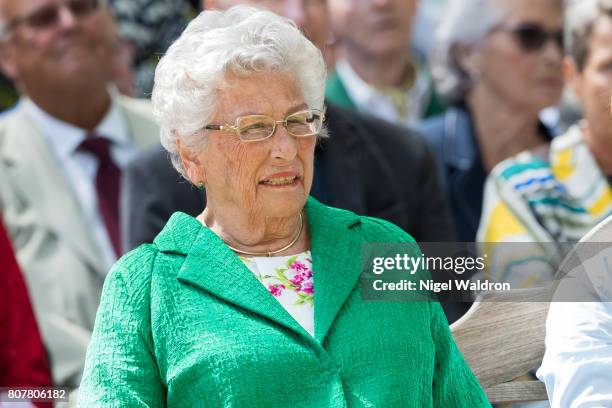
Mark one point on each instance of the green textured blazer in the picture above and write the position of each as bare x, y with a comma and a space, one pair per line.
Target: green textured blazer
184, 323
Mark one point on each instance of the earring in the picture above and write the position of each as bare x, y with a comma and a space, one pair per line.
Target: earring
201, 185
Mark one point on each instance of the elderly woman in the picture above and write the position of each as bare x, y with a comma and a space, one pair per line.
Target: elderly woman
498, 64
256, 302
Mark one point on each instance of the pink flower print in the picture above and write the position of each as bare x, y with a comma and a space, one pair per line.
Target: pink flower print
297, 279
309, 260
276, 290
298, 266
307, 288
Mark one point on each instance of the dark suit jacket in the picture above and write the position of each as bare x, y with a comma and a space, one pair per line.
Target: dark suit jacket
367, 166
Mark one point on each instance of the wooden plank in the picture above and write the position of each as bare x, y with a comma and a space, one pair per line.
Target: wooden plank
517, 391
503, 340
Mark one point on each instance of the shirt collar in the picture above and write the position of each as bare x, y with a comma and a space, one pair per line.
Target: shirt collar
65, 138
360, 91
415, 92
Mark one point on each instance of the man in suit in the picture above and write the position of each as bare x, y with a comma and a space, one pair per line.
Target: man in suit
368, 166
375, 71
62, 151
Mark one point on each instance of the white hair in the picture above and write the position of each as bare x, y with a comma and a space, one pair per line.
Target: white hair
465, 22
238, 41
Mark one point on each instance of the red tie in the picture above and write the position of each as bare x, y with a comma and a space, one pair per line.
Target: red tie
107, 185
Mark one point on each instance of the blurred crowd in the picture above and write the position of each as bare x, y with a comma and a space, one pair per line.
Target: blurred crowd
457, 120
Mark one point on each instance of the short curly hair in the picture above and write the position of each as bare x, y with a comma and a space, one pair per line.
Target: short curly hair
239, 41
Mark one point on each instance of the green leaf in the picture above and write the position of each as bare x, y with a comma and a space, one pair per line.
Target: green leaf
290, 261
281, 277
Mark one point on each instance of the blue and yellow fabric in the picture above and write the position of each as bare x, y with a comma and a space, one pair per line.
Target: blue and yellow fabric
550, 198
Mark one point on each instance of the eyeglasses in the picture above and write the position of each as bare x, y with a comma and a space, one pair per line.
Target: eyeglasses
253, 128
48, 15
533, 37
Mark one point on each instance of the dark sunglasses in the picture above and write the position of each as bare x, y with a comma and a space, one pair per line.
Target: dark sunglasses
533, 37
49, 15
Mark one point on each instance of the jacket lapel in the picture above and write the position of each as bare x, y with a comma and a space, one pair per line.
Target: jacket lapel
215, 268
35, 174
336, 257
336, 92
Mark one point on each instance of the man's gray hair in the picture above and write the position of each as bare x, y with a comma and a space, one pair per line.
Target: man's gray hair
579, 19
238, 41
465, 22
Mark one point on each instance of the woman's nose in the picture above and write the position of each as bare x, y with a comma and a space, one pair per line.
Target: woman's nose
284, 146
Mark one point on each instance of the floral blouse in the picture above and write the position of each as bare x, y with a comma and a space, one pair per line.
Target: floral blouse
289, 280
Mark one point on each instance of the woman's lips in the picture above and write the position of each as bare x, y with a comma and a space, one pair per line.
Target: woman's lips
284, 179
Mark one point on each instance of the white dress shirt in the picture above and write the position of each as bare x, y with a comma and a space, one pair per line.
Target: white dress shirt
80, 167
369, 99
577, 365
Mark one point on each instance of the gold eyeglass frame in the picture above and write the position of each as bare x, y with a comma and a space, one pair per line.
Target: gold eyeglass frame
235, 128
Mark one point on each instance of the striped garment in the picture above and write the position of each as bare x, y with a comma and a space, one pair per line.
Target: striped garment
553, 198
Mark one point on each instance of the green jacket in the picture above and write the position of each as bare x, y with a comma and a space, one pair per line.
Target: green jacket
184, 323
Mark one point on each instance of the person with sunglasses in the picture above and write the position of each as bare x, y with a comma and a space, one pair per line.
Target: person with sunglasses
557, 192
62, 151
256, 302
498, 65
